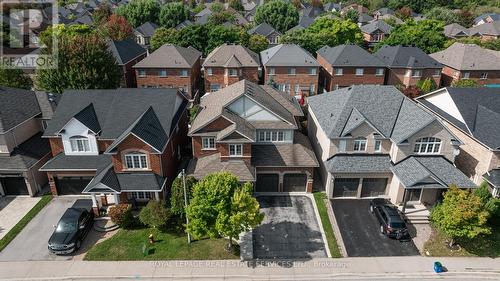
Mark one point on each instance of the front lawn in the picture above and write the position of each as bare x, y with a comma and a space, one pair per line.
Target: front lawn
320, 198
483, 246
128, 245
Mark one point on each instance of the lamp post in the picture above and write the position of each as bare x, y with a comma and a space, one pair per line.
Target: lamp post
185, 201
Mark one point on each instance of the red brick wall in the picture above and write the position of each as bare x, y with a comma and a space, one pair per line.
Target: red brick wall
301, 77
218, 76
129, 77
397, 76
216, 125
130, 144
223, 148
197, 151
56, 146
450, 75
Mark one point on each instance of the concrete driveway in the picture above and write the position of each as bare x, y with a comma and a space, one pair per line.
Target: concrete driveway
31, 243
360, 231
290, 229
13, 209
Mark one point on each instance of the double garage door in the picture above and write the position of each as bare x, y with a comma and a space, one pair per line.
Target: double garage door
14, 186
291, 183
349, 187
71, 185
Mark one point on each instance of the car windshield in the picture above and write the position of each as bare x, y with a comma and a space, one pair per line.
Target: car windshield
398, 225
66, 227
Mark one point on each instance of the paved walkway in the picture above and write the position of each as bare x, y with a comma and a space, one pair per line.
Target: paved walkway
13, 209
383, 268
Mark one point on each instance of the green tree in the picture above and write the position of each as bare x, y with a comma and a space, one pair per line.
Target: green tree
278, 13
257, 43
101, 14
164, 36
199, 8
14, 78
461, 215
427, 85
138, 12
236, 4
405, 13
173, 13
64, 32
441, 14
220, 202
84, 62
352, 15
177, 196
155, 214
426, 34
493, 44
465, 83
219, 34
117, 28
194, 35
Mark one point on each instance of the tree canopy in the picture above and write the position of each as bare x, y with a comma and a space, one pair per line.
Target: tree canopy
257, 43
465, 83
138, 12
172, 14
155, 214
442, 14
279, 14
14, 78
177, 204
117, 28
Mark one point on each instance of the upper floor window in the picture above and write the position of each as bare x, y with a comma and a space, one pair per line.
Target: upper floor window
484, 75
378, 146
360, 144
142, 73
339, 71
272, 71
235, 150
312, 89
465, 75
312, 71
291, 71
379, 71
271, 136
136, 161
437, 72
428, 145
209, 72
183, 73
207, 143
162, 73
359, 71
79, 144
416, 73
233, 72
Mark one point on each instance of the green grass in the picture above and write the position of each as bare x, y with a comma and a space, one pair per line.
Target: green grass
128, 245
24, 221
482, 246
320, 197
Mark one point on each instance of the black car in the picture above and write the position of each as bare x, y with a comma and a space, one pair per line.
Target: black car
70, 231
391, 222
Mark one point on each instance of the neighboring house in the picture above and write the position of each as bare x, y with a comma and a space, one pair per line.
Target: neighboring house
264, 29
228, 64
347, 65
469, 61
127, 53
472, 114
251, 131
203, 16
359, 8
291, 69
120, 145
455, 30
408, 65
171, 66
184, 24
383, 12
375, 32
23, 115
372, 141
486, 31
486, 18
364, 18
332, 7
144, 32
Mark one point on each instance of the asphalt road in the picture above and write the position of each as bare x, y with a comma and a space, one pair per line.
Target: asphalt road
290, 229
360, 231
31, 243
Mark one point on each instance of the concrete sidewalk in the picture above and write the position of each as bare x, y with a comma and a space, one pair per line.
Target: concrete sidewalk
317, 269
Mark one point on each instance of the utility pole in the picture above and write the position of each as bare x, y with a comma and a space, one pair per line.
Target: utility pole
185, 202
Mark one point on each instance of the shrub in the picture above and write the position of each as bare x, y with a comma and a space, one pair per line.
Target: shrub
155, 214
120, 213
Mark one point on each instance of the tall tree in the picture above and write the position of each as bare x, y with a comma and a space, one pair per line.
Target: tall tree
352, 15
173, 13
219, 34
14, 78
164, 36
177, 202
257, 43
138, 12
101, 14
278, 13
442, 14
117, 28
236, 4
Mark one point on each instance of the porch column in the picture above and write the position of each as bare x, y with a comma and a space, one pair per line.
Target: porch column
2, 193
95, 207
405, 200
157, 196
117, 198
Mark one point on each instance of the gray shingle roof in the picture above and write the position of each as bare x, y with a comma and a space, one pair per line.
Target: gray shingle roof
147, 29
77, 162
287, 55
349, 55
493, 16
468, 57
493, 177
430, 172
17, 106
297, 154
376, 25
490, 28
201, 167
359, 163
183, 24
364, 17
226, 55
455, 30
25, 155
47, 103
383, 107
406, 57
88, 118
263, 29
125, 50
170, 56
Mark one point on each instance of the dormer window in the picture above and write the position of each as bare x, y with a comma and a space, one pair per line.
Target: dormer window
79, 144
136, 161
360, 144
429, 145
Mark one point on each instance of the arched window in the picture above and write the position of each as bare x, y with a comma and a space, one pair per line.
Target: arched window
79, 144
428, 145
360, 144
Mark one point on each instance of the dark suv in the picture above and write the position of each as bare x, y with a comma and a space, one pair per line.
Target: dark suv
391, 222
70, 231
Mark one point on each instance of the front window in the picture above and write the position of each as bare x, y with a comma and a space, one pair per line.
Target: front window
312, 71
140, 195
291, 71
360, 144
484, 75
162, 73
428, 145
207, 143
209, 72
466, 75
339, 71
437, 72
233, 72
379, 71
136, 161
416, 73
183, 73
272, 71
142, 73
359, 71
79, 144
235, 150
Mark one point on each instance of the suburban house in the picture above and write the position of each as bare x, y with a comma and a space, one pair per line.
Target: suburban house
375, 32
372, 141
171, 66
472, 114
291, 69
357, 7
266, 30
455, 30
364, 18
228, 64
469, 61
486, 18
127, 53
486, 31
251, 131
144, 32
23, 116
408, 65
346, 65
121, 145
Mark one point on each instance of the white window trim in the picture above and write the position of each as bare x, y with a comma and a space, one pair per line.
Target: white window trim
361, 142
141, 73
379, 74
436, 73
292, 73
464, 76
268, 136
75, 140
339, 71
208, 139
181, 74
231, 75
416, 70
235, 150
375, 146
427, 143
160, 73
483, 77
362, 70
312, 73
139, 154
272, 71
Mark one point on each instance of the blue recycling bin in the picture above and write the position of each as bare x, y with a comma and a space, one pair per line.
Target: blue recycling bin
438, 267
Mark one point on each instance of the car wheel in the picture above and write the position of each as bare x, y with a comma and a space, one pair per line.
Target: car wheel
382, 229
371, 209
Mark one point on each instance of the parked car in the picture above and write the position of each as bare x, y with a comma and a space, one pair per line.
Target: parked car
391, 222
70, 231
